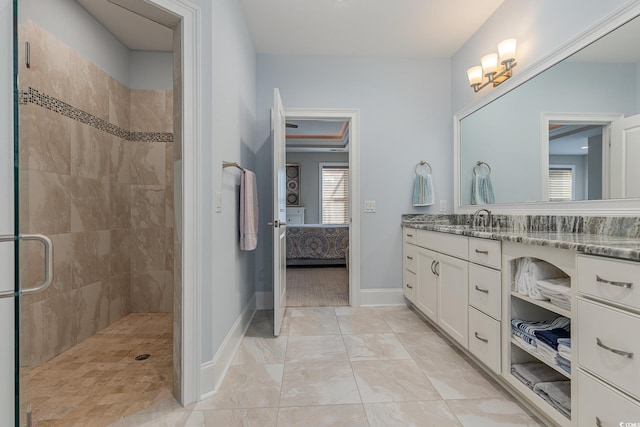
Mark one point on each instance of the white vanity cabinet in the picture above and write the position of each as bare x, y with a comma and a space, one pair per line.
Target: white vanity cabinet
608, 347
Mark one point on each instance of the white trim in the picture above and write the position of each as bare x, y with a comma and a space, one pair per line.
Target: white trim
213, 372
385, 296
602, 119
264, 300
622, 207
353, 115
191, 140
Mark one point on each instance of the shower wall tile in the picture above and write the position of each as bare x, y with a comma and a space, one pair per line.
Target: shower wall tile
148, 208
119, 297
90, 304
45, 139
91, 257
90, 152
169, 201
49, 203
90, 206
170, 247
119, 103
147, 291
89, 88
50, 60
120, 206
148, 163
50, 329
149, 111
120, 254
147, 250
120, 160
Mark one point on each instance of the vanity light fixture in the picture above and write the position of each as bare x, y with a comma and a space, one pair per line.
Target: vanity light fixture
495, 72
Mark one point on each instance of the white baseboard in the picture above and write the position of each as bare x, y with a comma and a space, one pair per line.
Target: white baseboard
264, 300
213, 372
386, 296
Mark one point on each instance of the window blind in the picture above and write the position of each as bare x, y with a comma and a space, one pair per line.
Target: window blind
560, 184
335, 195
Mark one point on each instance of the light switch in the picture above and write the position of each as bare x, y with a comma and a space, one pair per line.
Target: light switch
370, 206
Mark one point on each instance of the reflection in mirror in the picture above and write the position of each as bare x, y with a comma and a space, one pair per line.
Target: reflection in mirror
536, 153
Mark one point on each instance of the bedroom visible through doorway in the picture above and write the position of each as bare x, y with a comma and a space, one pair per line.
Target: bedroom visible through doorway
318, 212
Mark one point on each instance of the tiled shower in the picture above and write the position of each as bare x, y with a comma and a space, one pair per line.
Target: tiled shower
96, 174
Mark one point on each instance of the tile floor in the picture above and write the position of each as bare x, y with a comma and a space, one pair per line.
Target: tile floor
318, 286
98, 381
339, 366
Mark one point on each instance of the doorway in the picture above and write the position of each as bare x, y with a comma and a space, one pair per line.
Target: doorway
110, 217
322, 208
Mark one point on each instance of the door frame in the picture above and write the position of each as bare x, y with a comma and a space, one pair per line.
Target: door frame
353, 116
191, 327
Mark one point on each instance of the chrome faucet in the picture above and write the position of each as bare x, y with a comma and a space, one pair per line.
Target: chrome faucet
479, 220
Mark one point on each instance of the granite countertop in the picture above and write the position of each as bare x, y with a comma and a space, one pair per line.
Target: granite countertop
622, 247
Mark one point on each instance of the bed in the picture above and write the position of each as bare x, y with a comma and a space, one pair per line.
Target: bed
317, 244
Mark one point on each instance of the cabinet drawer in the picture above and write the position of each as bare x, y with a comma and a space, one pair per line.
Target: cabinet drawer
450, 244
485, 252
409, 235
411, 257
612, 280
485, 290
608, 345
599, 404
484, 339
409, 285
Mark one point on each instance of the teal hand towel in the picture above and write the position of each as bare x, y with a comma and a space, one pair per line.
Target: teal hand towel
481, 190
423, 190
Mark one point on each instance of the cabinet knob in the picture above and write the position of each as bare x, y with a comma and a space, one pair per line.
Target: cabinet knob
484, 291
409, 286
410, 257
622, 353
478, 251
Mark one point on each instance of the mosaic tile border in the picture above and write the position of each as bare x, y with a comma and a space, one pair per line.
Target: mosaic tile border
33, 96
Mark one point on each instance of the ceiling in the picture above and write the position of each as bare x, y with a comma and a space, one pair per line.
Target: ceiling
423, 28
318, 136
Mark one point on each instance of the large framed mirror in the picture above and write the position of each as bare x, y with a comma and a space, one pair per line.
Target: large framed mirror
564, 137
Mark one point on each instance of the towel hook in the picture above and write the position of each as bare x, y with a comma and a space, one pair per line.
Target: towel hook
480, 163
423, 163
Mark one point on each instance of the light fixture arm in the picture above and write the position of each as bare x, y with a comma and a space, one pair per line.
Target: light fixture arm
495, 77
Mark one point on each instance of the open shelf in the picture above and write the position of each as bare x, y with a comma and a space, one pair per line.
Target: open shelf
541, 359
544, 304
538, 401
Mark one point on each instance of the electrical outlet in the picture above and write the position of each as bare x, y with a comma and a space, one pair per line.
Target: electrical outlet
370, 206
218, 201
443, 205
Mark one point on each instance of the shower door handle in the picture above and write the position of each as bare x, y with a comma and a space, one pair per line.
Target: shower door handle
48, 264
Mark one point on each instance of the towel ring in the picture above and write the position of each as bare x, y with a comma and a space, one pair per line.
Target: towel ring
423, 163
480, 163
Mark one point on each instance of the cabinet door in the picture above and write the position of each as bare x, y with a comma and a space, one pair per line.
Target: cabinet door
427, 286
454, 297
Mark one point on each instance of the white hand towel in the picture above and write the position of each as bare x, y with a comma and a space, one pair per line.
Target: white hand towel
248, 211
541, 270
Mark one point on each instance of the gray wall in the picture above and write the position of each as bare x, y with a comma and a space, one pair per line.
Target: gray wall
405, 117
150, 70
594, 168
310, 181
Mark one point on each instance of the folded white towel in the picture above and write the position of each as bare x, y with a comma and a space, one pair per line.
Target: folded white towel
564, 351
522, 269
540, 270
557, 286
248, 211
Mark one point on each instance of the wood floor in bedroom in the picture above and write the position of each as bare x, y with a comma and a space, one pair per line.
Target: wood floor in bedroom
317, 286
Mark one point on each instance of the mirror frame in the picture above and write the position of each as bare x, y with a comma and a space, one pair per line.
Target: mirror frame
610, 207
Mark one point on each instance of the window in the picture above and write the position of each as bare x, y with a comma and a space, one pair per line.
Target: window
560, 183
334, 193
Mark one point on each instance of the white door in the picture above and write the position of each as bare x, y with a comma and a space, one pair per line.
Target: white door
624, 155
279, 213
427, 286
7, 277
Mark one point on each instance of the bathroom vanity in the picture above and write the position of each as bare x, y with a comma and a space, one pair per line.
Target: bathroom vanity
463, 280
